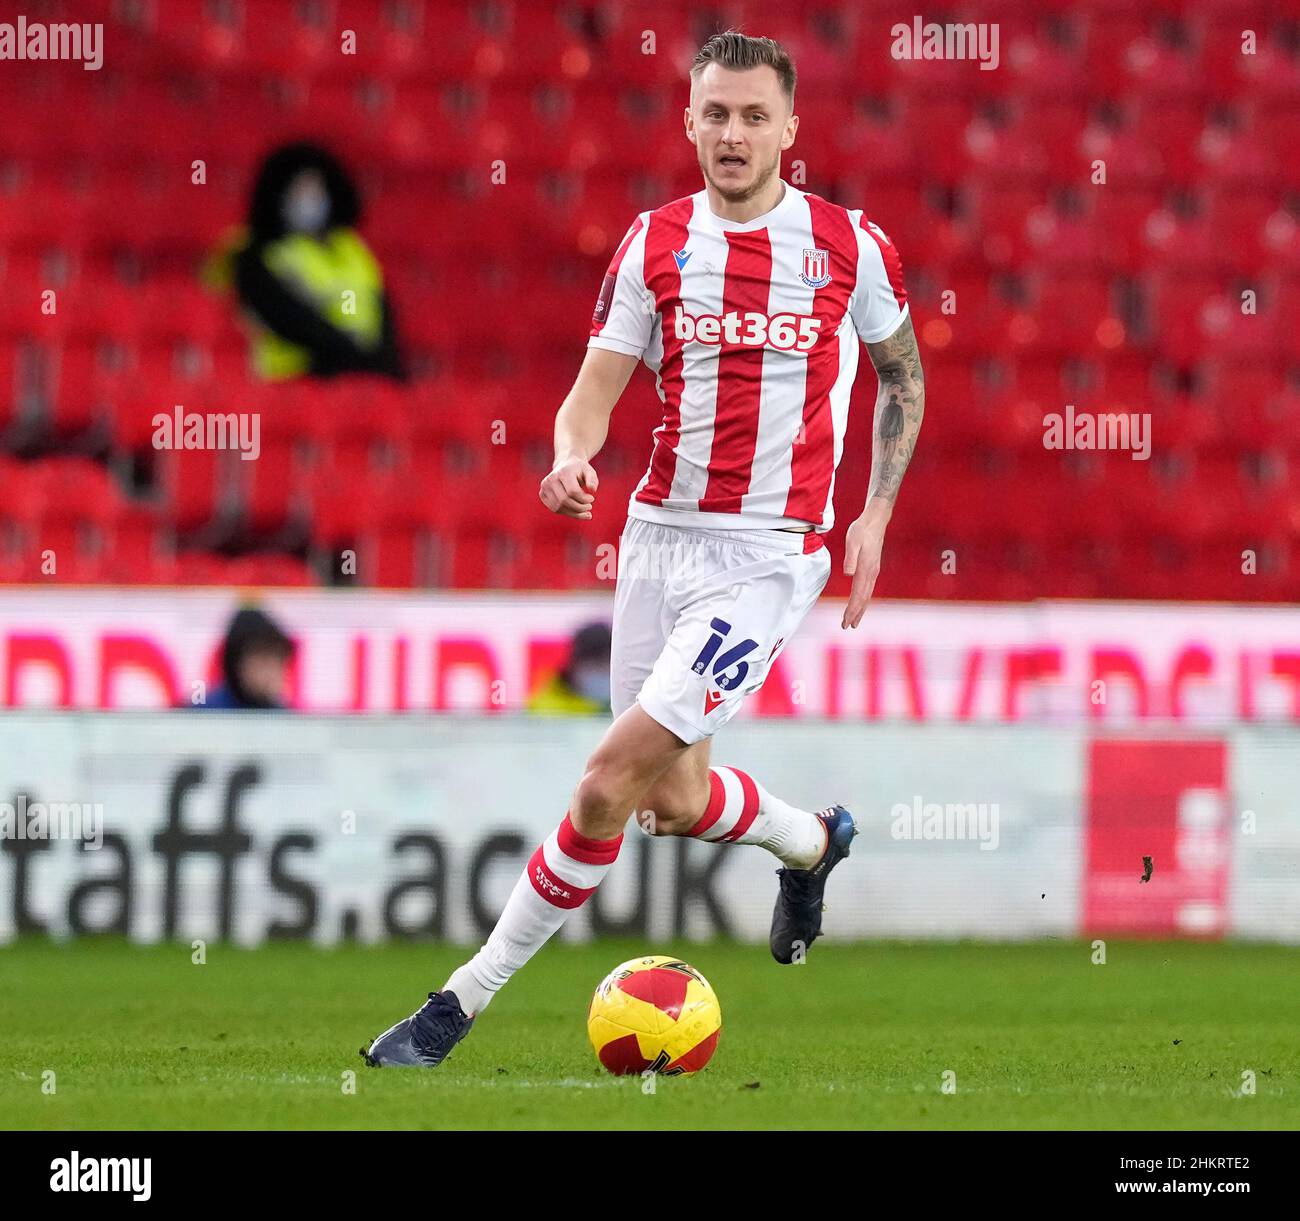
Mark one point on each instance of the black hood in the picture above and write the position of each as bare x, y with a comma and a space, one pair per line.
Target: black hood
590, 643
265, 222
250, 630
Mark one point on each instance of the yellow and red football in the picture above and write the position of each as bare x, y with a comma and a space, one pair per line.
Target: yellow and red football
655, 1013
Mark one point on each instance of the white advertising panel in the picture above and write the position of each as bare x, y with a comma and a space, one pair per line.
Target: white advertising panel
250, 826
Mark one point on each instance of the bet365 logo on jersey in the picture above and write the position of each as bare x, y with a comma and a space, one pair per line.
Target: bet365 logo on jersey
749, 329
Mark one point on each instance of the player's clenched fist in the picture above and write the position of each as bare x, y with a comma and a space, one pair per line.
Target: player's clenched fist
570, 489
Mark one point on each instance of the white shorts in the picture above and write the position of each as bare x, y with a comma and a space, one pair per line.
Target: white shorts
700, 614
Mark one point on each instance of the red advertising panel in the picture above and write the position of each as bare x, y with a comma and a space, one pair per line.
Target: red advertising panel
1166, 801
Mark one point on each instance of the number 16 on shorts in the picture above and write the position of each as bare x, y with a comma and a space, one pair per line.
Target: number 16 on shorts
733, 657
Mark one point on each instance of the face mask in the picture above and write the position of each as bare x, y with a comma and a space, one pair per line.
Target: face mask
306, 213
592, 685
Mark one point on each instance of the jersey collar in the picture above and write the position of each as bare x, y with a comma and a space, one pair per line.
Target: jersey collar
771, 217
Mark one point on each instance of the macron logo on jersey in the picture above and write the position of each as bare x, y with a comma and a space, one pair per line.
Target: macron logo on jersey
749, 329
681, 257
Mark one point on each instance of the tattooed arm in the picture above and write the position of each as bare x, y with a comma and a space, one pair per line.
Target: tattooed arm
900, 405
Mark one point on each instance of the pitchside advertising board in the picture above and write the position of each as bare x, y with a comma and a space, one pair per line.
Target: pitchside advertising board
918, 663
249, 827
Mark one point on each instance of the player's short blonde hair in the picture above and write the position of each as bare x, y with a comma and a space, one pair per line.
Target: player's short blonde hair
737, 51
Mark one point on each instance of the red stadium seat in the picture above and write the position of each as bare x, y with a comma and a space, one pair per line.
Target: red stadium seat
479, 559
272, 494
198, 488
140, 549
344, 505
13, 380
398, 560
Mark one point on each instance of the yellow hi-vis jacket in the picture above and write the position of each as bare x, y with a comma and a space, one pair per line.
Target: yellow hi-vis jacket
339, 277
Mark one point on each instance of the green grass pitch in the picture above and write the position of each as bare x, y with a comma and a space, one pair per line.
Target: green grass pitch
860, 1037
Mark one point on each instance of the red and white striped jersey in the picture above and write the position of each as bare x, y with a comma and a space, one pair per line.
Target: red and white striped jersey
751, 330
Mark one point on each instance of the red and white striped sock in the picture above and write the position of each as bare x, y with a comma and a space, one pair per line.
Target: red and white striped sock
562, 874
742, 811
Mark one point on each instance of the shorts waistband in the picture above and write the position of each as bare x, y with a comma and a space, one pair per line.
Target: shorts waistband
781, 539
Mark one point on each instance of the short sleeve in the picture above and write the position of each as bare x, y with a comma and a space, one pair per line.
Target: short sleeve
879, 302
624, 316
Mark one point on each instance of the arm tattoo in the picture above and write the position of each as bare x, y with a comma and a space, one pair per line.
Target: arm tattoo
900, 405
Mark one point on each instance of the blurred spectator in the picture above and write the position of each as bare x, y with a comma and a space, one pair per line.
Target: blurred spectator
581, 687
254, 664
294, 266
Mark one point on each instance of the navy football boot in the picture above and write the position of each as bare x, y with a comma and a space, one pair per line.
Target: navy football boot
797, 917
425, 1039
